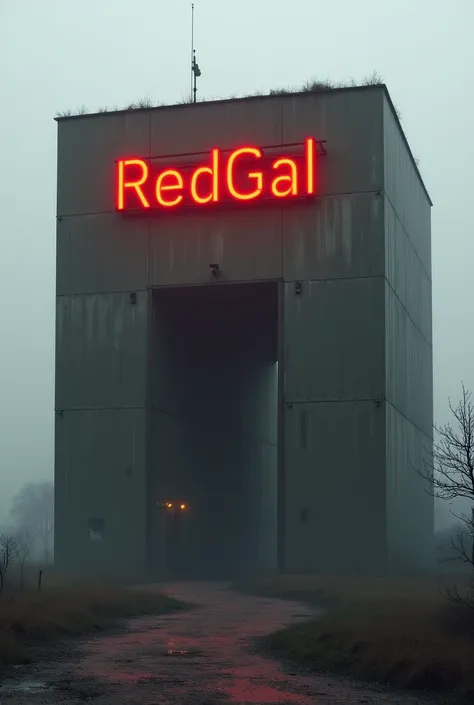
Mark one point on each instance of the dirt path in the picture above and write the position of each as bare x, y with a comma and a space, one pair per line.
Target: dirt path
215, 666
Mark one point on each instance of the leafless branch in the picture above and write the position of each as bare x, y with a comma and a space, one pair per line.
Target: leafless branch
8, 555
23, 539
449, 471
455, 597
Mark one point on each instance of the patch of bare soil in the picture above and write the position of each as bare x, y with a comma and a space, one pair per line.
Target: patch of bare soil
201, 657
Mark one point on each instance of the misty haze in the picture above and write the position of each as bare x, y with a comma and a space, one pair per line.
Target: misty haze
236, 309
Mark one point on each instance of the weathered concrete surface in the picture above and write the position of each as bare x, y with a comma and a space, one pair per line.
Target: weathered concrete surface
217, 665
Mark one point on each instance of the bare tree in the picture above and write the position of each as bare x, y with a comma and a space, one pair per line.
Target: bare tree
450, 472
23, 541
446, 541
8, 555
33, 509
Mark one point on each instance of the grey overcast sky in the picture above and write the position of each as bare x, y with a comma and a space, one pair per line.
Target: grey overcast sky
57, 55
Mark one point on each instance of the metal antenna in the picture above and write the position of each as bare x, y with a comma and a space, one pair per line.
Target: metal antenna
195, 70
192, 48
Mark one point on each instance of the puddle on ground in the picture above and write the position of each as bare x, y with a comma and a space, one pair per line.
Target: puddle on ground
180, 652
27, 687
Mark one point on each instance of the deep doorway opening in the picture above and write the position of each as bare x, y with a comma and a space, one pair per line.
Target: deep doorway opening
214, 430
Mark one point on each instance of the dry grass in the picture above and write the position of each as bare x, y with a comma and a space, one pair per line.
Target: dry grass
399, 631
314, 86
29, 618
341, 589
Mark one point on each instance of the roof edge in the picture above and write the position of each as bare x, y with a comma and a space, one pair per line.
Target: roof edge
266, 96
407, 144
218, 101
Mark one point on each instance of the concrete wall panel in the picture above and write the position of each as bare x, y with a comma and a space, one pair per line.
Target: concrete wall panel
334, 335
404, 188
335, 487
101, 253
101, 474
409, 366
245, 244
406, 273
87, 154
226, 125
100, 351
410, 509
409, 354
340, 237
351, 122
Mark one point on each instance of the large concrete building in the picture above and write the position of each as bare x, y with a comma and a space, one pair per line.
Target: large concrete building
263, 357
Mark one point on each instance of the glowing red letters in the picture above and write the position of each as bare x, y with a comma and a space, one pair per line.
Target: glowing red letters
243, 175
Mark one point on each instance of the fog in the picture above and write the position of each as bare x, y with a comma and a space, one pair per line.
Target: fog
57, 56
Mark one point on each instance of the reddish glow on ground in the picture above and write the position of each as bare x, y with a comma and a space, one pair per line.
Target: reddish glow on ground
203, 656
246, 174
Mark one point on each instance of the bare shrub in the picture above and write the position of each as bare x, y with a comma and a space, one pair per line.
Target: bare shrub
449, 472
24, 545
8, 555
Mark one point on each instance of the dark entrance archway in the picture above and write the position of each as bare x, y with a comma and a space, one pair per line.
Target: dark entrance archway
214, 428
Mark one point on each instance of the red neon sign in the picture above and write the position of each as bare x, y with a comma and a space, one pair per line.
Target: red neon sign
244, 175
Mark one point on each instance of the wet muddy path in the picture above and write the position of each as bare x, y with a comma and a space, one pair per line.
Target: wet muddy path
201, 657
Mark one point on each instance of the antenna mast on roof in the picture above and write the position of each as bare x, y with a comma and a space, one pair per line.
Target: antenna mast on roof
195, 70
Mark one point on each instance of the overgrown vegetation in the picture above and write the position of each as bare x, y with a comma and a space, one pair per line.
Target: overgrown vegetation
29, 618
402, 632
313, 85
449, 472
8, 555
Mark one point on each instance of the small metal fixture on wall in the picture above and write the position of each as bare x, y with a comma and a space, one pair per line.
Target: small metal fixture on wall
133, 297
298, 288
215, 271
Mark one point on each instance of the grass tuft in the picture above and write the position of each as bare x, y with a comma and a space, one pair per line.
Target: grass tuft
146, 102
280, 91
374, 79
185, 99
313, 85
402, 632
29, 618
